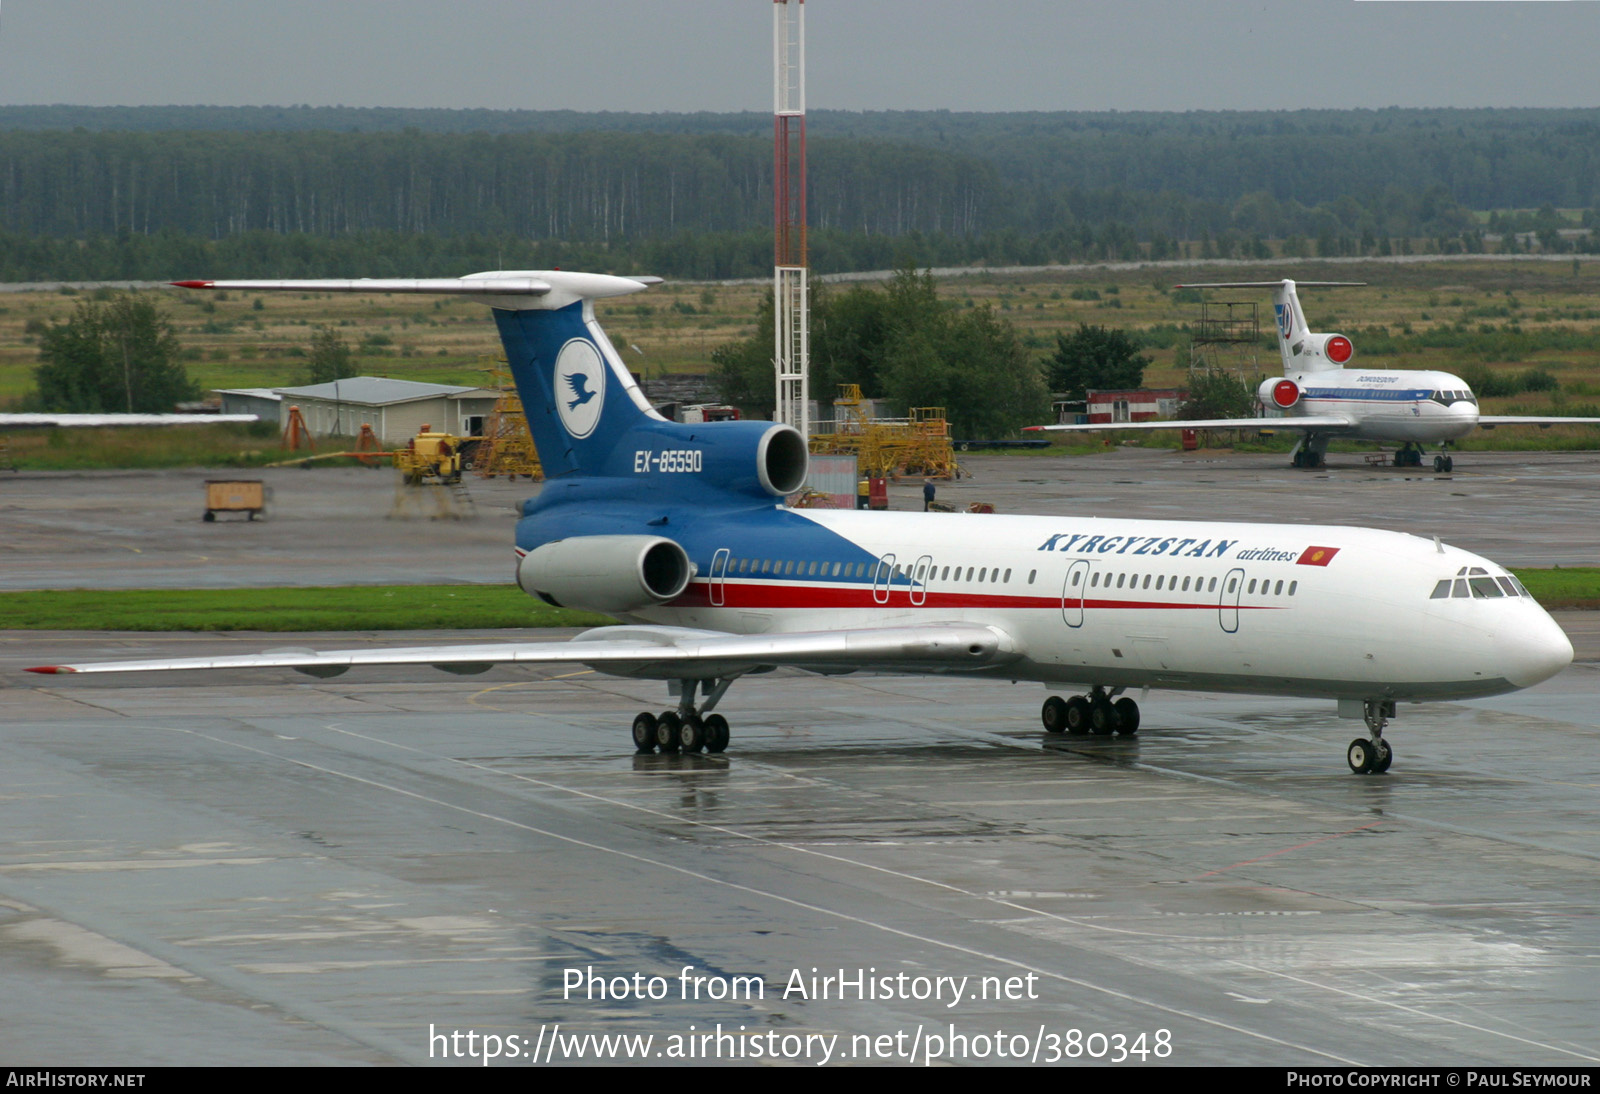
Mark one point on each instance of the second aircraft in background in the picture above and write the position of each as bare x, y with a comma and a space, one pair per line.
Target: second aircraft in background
1320, 398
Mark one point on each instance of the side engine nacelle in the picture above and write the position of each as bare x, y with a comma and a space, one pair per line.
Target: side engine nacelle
1280, 392
614, 574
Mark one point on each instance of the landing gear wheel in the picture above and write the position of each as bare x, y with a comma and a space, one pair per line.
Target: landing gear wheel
1449, 464
1103, 720
1054, 715
717, 733
667, 727
692, 734
1361, 756
1384, 758
644, 732
1127, 716
1438, 465
1077, 715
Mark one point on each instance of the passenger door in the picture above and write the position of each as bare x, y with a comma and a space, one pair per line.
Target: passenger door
1073, 589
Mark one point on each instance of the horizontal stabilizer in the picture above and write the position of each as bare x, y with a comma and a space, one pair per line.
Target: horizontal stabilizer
1267, 284
485, 286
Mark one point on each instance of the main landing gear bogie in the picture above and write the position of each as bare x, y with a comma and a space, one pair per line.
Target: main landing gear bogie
685, 729
1095, 713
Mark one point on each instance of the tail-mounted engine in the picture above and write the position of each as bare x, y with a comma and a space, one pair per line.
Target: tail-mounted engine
614, 574
1316, 351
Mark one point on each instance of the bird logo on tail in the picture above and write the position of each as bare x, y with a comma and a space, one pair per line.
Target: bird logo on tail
580, 375
579, 383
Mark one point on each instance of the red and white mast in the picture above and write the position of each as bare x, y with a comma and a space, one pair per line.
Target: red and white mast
793, 356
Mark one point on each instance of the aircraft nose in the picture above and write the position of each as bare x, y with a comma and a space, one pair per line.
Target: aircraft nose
1536, 651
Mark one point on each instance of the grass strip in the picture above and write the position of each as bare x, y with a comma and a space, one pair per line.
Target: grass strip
347, 608
1563, 586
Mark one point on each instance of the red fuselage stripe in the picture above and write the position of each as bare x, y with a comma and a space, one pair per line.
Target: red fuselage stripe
750, 595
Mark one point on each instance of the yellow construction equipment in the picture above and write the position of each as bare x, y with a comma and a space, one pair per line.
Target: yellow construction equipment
507, 447
430, 457
887, 448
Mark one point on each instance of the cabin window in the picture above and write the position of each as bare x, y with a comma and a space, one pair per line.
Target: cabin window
1094, 582
983, 574
1008, 575
1146, 581
1233, 583
922, 568
1120, 579
1159, 580
1292, 586
1278, 589
1075, 576
1252, 587
969, 573
1031, 575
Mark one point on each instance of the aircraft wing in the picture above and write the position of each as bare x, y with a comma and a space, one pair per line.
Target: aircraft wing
651, 652
63, 421
1320, 422
1489, 421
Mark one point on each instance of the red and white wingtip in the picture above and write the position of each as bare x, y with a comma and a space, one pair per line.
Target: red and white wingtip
194, 284
52, 670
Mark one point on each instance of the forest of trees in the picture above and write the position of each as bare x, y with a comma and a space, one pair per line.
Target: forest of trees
163, 192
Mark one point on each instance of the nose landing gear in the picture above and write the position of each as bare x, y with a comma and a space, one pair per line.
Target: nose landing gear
1372, 757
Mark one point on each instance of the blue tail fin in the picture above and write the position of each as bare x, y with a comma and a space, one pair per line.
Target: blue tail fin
579, 398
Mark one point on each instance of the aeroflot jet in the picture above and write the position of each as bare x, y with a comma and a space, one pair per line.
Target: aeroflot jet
681, 532
1320, 398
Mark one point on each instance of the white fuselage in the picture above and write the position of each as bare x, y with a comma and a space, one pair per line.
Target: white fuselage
1264, 608
1425, 407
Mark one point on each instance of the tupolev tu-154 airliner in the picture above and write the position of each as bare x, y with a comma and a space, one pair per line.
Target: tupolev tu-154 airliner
1318, 397
680, 531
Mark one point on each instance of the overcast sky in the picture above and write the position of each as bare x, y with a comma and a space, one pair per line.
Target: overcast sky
684, 55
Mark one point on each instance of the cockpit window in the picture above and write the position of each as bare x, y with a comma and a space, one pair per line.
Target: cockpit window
1445, 398
1485, 588
1476, 583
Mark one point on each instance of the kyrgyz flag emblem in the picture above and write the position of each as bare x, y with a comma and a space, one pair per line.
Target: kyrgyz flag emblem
1316, 556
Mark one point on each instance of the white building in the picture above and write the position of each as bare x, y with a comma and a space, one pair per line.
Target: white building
396, 409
